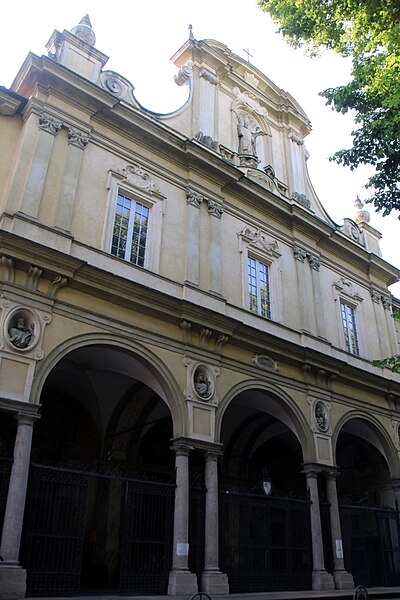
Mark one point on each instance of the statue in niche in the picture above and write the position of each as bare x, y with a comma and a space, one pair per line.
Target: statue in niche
202, 385
321, 416
248, 132
20, 335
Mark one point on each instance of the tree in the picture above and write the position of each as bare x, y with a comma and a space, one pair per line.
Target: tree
368, 31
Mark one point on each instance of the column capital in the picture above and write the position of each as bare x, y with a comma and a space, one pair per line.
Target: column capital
25, 418
181, 447
312, 469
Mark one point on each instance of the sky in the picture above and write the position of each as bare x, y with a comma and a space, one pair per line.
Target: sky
140, 37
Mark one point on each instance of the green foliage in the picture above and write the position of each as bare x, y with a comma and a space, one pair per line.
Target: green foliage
368, 31
392, 363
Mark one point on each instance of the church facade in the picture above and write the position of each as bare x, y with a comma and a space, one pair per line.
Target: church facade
187, 394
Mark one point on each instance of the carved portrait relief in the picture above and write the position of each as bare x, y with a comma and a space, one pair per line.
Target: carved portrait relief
22, 329
203, 383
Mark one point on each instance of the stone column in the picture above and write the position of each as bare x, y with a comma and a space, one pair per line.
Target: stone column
318, 302
77, 143
49, 128
342, 579
321, 579
194, 201
12, 576
300, 256
215, 210
181, 581
212, 580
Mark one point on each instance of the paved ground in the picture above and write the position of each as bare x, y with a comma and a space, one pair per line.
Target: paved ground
376, 593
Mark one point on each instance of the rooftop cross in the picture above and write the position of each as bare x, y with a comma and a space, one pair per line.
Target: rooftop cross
248, 54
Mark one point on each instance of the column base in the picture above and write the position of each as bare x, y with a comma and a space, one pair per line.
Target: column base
322, 580
12, 581
343, 580
214, 582
182, 583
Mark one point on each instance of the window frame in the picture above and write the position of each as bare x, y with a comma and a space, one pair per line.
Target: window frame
260, 304
135, 257
257, 245
353, 347
345, 292
139, 188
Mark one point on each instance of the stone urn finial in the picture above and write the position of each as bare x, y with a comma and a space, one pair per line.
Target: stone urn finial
361, 216
84, 31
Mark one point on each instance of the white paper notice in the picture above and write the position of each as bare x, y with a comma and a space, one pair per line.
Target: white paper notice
182, 549
339, 549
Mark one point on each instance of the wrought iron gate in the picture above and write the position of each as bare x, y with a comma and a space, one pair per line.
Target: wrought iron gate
54, 530
63, 530
5, 471
371, 543
147, 532
265, 542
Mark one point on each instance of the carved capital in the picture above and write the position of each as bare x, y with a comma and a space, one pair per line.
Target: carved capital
32, 277
220, 341
49, 124
299, 253
215, 208
295, 137
194, 198
375, 296
76, 138
387, 303
209, 76
314, 262
205, 335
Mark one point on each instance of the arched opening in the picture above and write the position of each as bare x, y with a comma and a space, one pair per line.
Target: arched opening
264, 509
100, 498
369, 517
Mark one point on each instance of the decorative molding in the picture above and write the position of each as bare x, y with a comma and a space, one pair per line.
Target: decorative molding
215, 208
255, 238
76, 138
387, 303
57, 283
206, 140
352, 231
186, 328
320, 415
346, 287
7, 269
118, 86
299, 253
205, 335
32, 277
209, 76
49, 124
267, 179
250, 101
137, 177
194, 198
183, 74
221, 340
265, 362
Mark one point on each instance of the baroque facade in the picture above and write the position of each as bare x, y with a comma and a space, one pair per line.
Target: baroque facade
187, 395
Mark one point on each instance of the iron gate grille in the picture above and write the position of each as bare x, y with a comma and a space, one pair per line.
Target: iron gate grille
5, 471
265, 542
54, 530
146, 553
197, 498
371, 544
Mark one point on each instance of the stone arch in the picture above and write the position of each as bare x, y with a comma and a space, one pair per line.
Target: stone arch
284, 408
368, 428
167, 387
